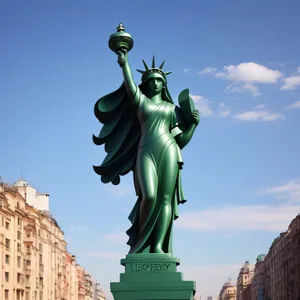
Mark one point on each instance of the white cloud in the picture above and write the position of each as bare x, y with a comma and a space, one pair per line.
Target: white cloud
203, 105
186, 70
251, 72
298, 69
207, 70
291, 83
287, 191
244, 75
294, 105
236, 87
223, 110
258, 115
252, 89
237, 218
259, 106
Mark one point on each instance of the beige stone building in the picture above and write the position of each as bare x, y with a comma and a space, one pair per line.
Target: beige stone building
35, 263
228, 291
282, 265
244, 281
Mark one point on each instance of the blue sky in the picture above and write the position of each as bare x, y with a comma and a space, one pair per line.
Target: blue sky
240, 61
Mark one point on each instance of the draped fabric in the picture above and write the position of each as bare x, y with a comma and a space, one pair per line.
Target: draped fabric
134, 132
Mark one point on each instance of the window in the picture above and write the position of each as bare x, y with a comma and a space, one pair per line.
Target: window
28, 249
7, 259
6, 294
7, 225
40, 247
39, 232
6, 276
41, 258
19, 222
18, 277
19, 261
19, 247
27, 296
18, 235
28, 262
7, 243
2, 221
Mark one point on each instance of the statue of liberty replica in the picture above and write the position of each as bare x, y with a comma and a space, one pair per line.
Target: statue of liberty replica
143, 132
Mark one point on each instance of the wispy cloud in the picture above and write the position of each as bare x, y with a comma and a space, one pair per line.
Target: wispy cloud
203, 105
208, 70
258, 115
186, 70
287, 191
245, 76
237, 218
259, 106
291, 83
223, 110
294, 105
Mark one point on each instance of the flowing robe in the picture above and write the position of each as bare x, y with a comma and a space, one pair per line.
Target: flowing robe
160, 156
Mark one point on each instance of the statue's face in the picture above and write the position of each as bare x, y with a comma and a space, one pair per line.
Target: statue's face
154, 86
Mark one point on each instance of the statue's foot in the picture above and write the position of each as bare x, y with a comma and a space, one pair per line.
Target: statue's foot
158, 249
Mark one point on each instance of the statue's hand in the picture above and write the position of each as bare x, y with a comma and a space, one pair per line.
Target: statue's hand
122, 57
196, 117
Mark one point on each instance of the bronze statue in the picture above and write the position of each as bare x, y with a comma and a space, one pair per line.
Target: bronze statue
144, 132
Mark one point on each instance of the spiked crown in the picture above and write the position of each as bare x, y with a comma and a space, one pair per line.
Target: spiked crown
153, 71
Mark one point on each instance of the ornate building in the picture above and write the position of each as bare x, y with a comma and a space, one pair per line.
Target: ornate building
244, 281
228, 291
35, 263
282, 265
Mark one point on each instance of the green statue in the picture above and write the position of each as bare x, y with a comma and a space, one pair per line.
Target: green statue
144, 132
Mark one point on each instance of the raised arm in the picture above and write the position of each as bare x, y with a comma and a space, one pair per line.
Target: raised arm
129, 83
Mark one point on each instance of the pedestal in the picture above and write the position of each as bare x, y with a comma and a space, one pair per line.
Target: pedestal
152, 277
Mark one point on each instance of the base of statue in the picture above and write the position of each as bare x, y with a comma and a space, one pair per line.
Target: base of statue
152, 277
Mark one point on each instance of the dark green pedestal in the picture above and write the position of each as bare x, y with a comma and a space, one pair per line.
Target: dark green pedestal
152, 277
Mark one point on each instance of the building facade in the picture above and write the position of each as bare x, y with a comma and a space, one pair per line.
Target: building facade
258, 280
35, 263
282, 265
228, 291
244, 281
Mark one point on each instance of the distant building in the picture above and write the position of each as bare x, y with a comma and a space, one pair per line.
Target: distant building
282, 265
209, 298
228, 291
258, 280
34, 260
244, 281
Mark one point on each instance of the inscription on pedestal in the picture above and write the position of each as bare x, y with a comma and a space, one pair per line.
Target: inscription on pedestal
149, 267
